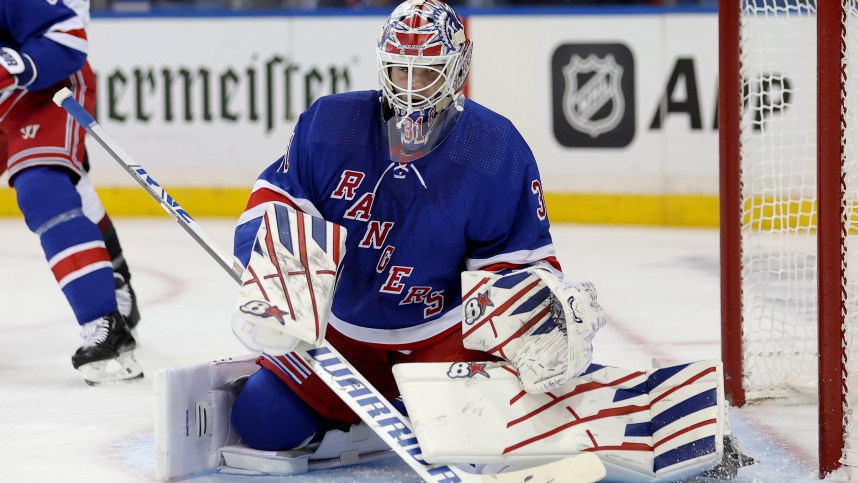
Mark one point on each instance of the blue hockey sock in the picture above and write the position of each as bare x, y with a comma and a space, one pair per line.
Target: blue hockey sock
73, 245
269, 416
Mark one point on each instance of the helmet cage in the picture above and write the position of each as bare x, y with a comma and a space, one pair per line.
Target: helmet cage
423, 34
436, 94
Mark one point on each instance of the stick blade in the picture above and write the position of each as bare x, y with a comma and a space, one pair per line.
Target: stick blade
580, 468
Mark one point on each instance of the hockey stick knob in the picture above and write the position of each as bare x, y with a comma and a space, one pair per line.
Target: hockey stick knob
64, 99
62, 95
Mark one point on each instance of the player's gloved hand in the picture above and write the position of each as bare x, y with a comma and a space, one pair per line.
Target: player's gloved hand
12, 64
541, 324
548, 360
288, 285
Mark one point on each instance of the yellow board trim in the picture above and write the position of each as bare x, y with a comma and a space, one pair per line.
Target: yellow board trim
621, 209
133, 201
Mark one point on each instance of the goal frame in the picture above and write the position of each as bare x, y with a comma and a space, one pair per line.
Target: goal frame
830, 218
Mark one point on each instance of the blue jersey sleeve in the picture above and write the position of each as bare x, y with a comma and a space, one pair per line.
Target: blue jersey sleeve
50, 36
512, 226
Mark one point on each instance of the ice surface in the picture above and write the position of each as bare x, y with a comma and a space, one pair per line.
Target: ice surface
660, 288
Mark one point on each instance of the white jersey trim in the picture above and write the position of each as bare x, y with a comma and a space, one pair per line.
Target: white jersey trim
92, 207
69, 41
521, 257
81, 9
408, 335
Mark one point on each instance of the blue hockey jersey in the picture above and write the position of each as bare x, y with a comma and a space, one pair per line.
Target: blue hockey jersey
50, 36
474, 202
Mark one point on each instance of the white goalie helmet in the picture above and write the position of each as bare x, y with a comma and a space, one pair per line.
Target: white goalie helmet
423, 34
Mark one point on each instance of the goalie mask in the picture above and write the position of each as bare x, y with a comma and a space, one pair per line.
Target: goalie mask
423, 59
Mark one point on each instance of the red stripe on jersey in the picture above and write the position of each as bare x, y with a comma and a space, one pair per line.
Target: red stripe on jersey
418, 345
265, 195
79, 33
497, 267
81, 259
553, 262
283, 368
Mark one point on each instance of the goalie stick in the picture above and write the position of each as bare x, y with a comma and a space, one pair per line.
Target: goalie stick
326, 362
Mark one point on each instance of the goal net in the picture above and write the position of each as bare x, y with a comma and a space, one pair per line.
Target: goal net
788, 195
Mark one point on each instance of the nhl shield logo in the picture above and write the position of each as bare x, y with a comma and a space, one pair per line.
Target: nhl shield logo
593, 95
593, 100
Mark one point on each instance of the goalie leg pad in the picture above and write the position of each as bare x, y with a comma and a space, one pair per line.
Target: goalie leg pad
662, 424
192, 412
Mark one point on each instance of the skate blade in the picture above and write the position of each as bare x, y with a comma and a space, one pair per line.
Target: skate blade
121, 369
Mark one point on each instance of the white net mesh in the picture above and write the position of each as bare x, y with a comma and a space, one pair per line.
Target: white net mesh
778, 174
778, 138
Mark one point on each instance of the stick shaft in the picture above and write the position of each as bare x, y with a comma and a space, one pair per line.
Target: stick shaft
167, 202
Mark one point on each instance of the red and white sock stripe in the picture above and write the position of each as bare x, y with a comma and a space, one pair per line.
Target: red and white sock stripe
79, 260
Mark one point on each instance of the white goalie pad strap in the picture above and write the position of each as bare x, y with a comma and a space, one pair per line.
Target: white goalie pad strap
288, 286
192, 411
662, 424
533, 319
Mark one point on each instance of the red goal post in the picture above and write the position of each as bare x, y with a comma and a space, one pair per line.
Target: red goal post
787, 123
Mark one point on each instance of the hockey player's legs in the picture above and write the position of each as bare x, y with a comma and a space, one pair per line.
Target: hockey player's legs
77, 256
273, 405
44, 152
45, 149
94, 210
268, 415
72, 243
